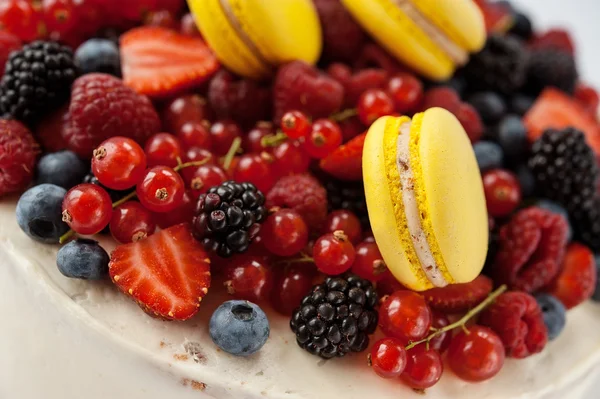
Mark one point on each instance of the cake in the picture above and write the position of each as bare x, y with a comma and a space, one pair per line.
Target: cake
142, 323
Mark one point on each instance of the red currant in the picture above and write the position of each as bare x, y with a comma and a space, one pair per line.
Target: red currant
223, 133
22, 18
424, 368
369, 263
333, 253
188, 25
406, 92
345, 221
291, 285
388, 284
285, 233
131, 222
255, 169
119, 163
59, 15
183, 213
163, 149
161, 189
205, 177
196, 154
252, 142
373, 104
476, 356
388, 357
295, 124
250, 278
195, 134
405, 315
290, 159
502, 192
442, 341
87, 209
324, 137
184, 109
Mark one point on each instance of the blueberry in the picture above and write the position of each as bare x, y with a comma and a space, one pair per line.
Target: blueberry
240, 328
489, 155
522, 26
556, 208
512, 137
526, 180
596, 296
520, 104
554, 312
63, 168
39, 213
83, 258
98, 55
490, 106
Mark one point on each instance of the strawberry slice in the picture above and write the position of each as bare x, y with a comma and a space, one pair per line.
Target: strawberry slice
167, 274
159, 62
458, 298
497, 16
345, 163
554, 109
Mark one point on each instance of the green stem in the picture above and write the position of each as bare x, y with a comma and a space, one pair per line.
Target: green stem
273, 140
190, 164
65, 237
235, 146
344, 114
463, 321
124, 199
302, 259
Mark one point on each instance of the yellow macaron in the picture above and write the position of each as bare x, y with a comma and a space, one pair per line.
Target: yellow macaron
433, 37
425, 199
252, 38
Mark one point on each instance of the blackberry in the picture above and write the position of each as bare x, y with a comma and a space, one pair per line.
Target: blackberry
501, 66
37, 79
336, 317
551, 67
228, 216
349, 196
586, 223
564, 167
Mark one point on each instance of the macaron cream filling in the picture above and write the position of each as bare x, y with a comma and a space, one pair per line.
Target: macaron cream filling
457, 54
411, 209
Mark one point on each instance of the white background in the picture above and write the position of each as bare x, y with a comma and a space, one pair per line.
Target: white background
582, 18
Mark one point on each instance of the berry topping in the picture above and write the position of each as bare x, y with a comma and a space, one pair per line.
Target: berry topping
489, 105
441, 341
119, 163
39, 213
8, 44
336, 317
18, 152
163, 149
290, 286
188, 108
98, 55
302, 193
552, 67
345, 221
368, 263
333, 253
424, 368
159, 62
345, 163
373, 104
131, 222
51, 130
388, 357
517, 319
204, 177
532, 246
167, 274
489, 155
576, 281
458, 298
405, 315
502, 192
63, 168
239, 328
512, 137
227, 218
84, 259
160, 189
324, 137
255, 169
406, 91
102, 106
285, 233
477, 355
295, 124
87, 209
554, 314
249, 278
349, 196
222, 135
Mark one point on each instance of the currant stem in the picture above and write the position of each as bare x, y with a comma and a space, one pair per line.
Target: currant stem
189, 164
302, 259
344, 114
124, 199
65, 237
235, 146
273, 140
463, 321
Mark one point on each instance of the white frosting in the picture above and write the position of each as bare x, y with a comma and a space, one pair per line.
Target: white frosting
411, 209
69, 339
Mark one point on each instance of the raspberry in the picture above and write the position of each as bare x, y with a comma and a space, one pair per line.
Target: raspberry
304, 194
361, 81
51, 130
101, 106
242, 100
517, 319
301, 87
18, 151
373, 56
554, 38
342, 36
587, 96
532, 246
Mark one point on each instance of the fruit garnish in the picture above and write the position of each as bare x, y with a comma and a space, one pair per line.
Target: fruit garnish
497, 17
553, 38
167, 274
159, 62
457, 298
345, 162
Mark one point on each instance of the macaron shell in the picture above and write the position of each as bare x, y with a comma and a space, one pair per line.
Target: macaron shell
461, 20
454, 194
395, 31
394, 243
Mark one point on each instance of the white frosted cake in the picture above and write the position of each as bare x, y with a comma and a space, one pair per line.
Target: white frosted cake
71, 339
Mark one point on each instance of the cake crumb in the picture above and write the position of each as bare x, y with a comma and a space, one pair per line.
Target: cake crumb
419, 391
163, 344
181, 357
263, 393
195, 351
198, 386
260, 373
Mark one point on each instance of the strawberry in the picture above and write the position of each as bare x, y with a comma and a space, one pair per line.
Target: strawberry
577, 280
345, 163
554, 109
167, 274
588, 97
553, 38
457, 298
497, 16
159, 62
